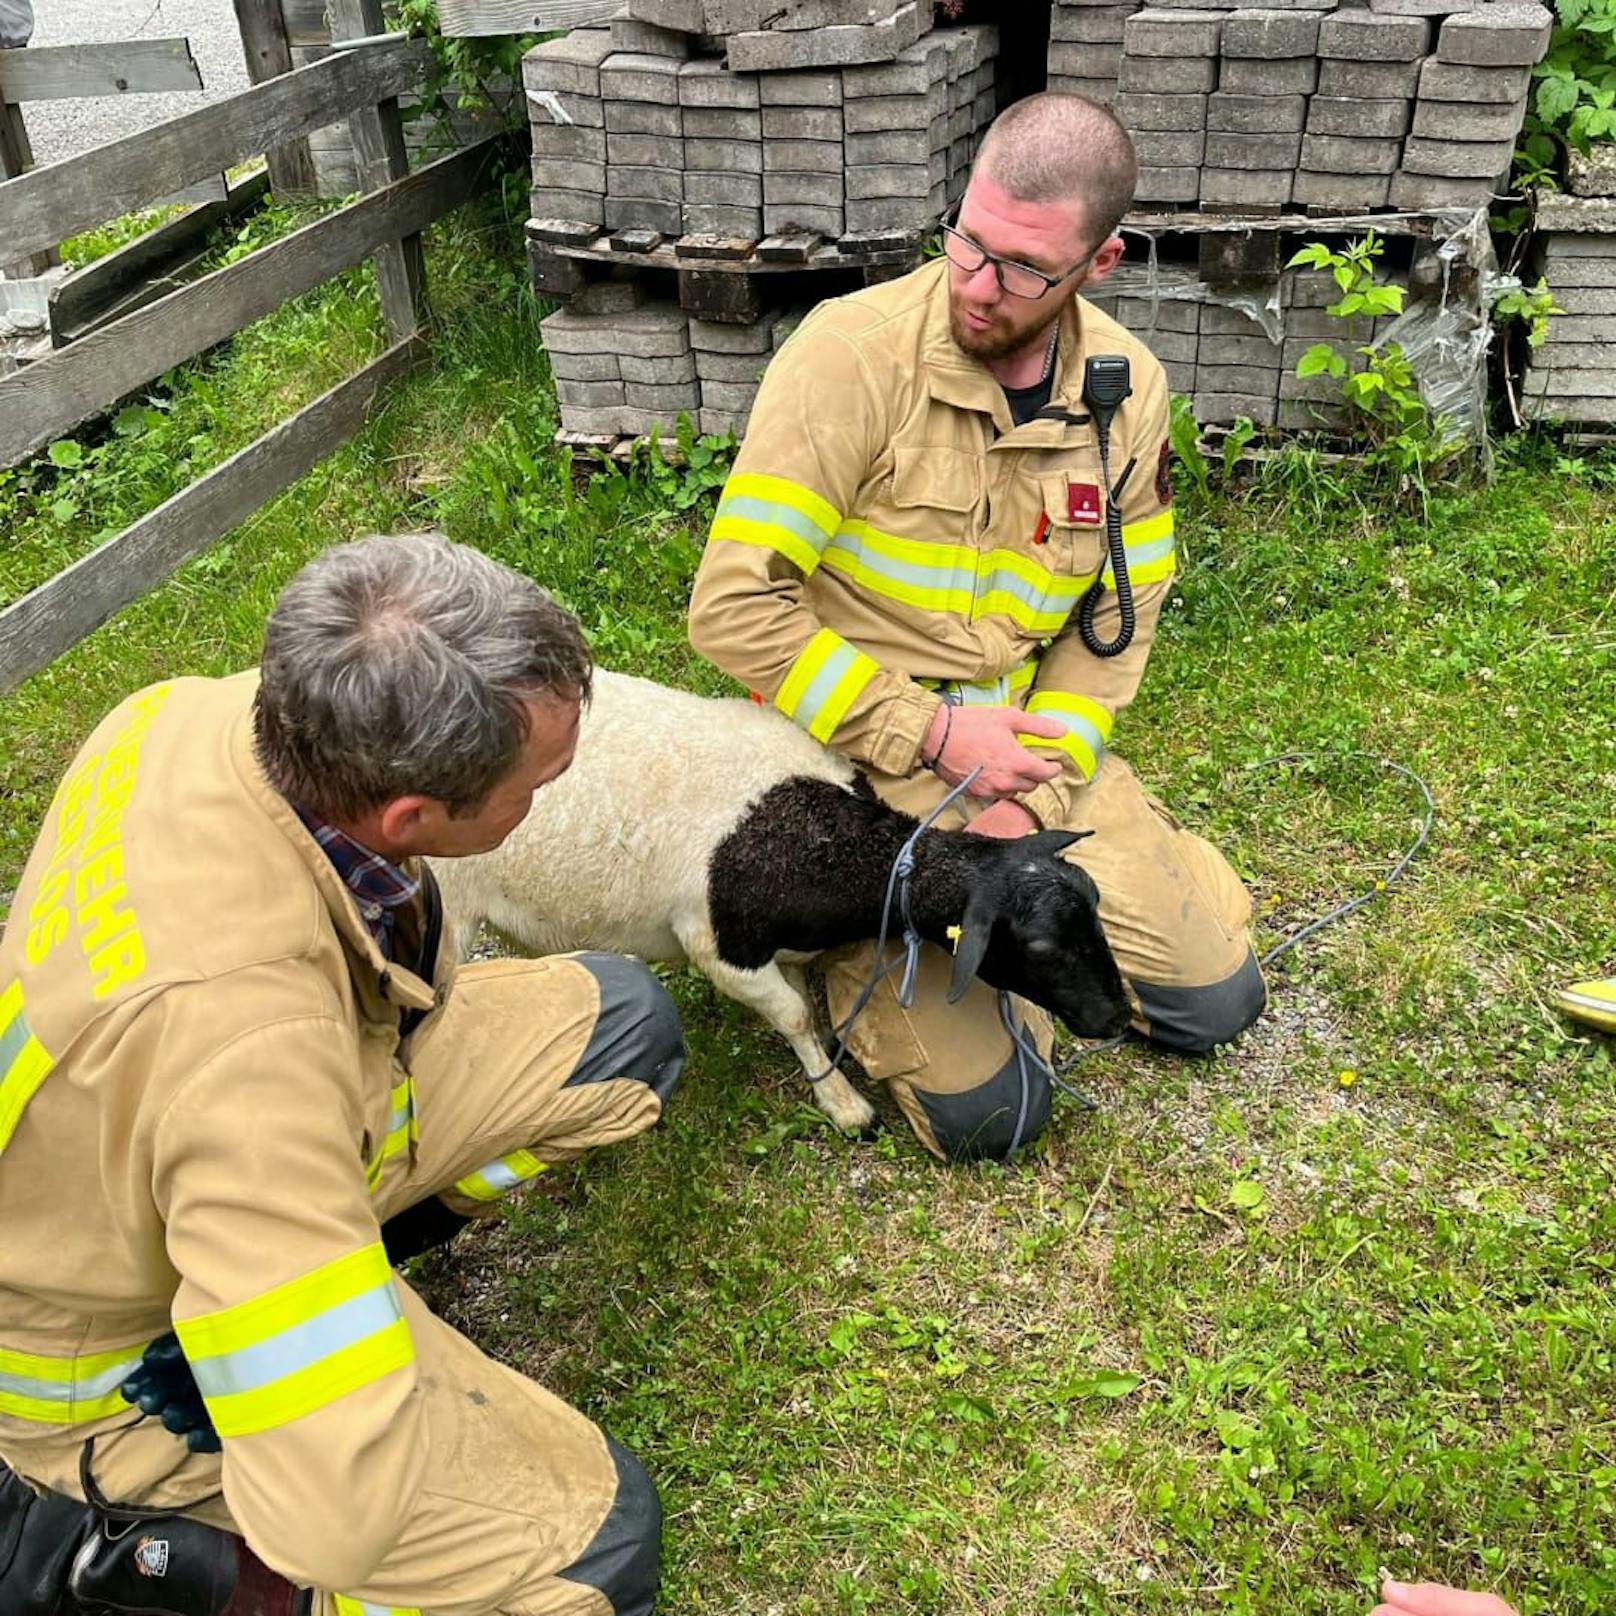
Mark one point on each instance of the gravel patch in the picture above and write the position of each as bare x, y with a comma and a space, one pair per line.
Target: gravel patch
59, 129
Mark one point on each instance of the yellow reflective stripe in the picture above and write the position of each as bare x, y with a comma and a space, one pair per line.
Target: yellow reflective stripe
65, 1391
279, 1356
954, 578
824, 682
998, 692
775, 514
347, 1606
1088, 727
24, 1063
403, 1129
500, 1177
1150, 550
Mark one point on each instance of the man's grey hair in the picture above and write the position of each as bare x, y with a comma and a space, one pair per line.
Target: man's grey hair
399, 665
1051, 147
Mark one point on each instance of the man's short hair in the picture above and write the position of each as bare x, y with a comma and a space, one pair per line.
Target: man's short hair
401, 665
1051, 147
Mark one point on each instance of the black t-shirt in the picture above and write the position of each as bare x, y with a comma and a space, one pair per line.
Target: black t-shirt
1026, 402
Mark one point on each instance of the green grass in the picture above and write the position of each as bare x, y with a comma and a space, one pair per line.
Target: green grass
1105, 1379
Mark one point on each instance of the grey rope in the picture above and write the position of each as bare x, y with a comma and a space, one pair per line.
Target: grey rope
898, 880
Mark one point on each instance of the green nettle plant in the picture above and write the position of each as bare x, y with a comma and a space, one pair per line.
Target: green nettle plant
1402, 436
1575, 99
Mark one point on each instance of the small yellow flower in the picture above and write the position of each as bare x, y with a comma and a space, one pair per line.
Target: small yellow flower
1346, 1078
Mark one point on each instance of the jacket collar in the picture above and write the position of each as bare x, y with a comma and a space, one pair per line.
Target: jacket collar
398, 986
955, 378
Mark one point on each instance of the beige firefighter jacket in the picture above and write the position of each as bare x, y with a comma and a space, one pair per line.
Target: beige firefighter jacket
197, 1090
886, 523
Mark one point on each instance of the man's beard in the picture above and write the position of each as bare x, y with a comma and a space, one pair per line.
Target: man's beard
986, 346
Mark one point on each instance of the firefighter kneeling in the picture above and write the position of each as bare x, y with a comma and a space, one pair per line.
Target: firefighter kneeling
240, 1081
900, 562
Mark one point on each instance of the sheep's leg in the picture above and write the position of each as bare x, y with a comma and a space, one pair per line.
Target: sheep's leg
790, 1013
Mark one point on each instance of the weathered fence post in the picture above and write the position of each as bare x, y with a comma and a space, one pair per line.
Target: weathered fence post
16, 157
379, 155
268, 50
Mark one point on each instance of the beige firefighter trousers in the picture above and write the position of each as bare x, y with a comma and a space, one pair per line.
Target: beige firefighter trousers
1175, 914
530, 1510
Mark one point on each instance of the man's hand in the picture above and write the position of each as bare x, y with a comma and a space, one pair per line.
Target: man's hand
1005, 818
987, 735
1434, 1599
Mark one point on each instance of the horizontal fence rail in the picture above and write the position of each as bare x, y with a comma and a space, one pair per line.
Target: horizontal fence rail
47, 205
56, 616
43, 400
122, 67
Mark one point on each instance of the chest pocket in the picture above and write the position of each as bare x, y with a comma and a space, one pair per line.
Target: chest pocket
935, 492
1069, 544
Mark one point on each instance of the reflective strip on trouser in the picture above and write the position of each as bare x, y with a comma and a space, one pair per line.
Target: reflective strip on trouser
777, 515
402, 1129
1149, 549
24, 1064
65, 1391
270, 1360
1087, 724
500, 1177
345, 1606
823, 683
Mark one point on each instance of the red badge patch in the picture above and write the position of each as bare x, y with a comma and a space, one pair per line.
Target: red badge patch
1083, 504
1164, 476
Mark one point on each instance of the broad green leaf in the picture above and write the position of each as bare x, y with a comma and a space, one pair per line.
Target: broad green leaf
1246, 1194
65, 452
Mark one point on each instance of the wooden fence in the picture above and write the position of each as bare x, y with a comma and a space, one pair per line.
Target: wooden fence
72, 72
88, 377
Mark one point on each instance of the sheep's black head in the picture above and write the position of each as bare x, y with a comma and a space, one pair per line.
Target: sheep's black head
1032, 926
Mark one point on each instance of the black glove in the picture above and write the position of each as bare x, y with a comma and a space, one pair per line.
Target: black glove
165, 1387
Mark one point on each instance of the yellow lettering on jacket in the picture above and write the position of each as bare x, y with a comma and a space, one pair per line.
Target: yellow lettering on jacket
45, 935
83, 885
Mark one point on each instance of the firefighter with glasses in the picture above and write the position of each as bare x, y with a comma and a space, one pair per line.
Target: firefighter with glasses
899, 563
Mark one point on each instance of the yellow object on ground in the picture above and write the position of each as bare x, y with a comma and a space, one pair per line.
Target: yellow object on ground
1592, 1003
213, 1094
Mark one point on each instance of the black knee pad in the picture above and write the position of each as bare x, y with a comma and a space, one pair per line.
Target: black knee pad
637, 1032
1196, 1020
624, 1558
1006, 1112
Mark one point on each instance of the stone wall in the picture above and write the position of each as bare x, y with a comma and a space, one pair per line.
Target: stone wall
1412, 105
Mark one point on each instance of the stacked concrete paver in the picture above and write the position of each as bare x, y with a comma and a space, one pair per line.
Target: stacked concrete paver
1572, 377
684, 145
1413, 104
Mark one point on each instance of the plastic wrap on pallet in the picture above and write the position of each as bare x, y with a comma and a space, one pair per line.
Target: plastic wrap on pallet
1445, 337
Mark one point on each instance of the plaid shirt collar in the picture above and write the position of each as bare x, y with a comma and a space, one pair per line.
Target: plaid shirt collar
379, 887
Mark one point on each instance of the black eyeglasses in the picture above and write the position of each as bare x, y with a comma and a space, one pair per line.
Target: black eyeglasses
1018, 280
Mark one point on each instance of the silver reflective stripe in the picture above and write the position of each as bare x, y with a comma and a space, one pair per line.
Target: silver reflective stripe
297, 1347
749, 509
822, 685
1085, 729
499, 1176
65, 1392
12, 1038
948, 578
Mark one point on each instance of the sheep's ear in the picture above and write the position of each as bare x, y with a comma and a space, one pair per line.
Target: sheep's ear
975, 930
1055, 842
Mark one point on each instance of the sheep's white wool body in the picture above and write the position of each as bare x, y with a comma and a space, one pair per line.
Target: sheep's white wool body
614, 855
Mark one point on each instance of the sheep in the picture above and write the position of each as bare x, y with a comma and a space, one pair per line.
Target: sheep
716, 833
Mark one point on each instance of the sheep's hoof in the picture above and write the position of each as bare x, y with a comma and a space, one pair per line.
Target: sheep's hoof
856, 1121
